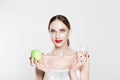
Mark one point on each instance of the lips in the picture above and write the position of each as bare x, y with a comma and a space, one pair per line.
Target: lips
58, 41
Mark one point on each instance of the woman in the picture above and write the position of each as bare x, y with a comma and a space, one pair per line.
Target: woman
62, 62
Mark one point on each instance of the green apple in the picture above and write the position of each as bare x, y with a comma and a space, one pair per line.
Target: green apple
36, 54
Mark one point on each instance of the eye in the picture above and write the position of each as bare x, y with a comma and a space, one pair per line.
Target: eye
52, 30
62, 30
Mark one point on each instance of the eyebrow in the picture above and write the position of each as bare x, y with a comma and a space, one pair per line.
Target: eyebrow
62, 28
59, 29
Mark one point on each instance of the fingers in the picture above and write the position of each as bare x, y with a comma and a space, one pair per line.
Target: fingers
80, 61
84, 57
36, 63
31, 62
39, 65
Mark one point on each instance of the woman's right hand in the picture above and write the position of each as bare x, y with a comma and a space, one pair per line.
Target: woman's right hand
40, 65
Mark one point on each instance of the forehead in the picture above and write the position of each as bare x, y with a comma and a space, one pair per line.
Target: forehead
57, 25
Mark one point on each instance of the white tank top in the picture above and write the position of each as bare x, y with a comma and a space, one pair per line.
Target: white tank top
60, 75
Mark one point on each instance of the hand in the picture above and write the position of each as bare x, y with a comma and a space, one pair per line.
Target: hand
40, 65
81, 61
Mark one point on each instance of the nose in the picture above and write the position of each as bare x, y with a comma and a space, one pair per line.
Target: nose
57, 35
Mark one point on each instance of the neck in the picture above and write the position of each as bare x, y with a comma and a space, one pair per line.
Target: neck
60, 51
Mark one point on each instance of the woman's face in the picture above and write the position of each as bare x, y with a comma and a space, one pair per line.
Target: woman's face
59, 33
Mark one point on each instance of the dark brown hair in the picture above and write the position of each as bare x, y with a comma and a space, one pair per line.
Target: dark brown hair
62, 19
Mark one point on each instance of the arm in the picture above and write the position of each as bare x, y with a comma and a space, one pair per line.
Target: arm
84, 68
73, 70
41, 70
39, 74
73, 75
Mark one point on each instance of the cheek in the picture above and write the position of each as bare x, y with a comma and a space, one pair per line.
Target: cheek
52, 37
64, 36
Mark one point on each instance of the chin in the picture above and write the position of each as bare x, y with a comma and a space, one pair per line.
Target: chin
58, 45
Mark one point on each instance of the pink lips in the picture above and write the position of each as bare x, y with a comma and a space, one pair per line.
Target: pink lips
58, 41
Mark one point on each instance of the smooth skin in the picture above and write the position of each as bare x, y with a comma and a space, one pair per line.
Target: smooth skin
62, 56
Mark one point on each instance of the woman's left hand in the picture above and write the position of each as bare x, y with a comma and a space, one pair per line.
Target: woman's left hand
81, 61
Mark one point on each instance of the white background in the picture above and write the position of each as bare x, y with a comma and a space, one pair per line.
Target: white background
23, 27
